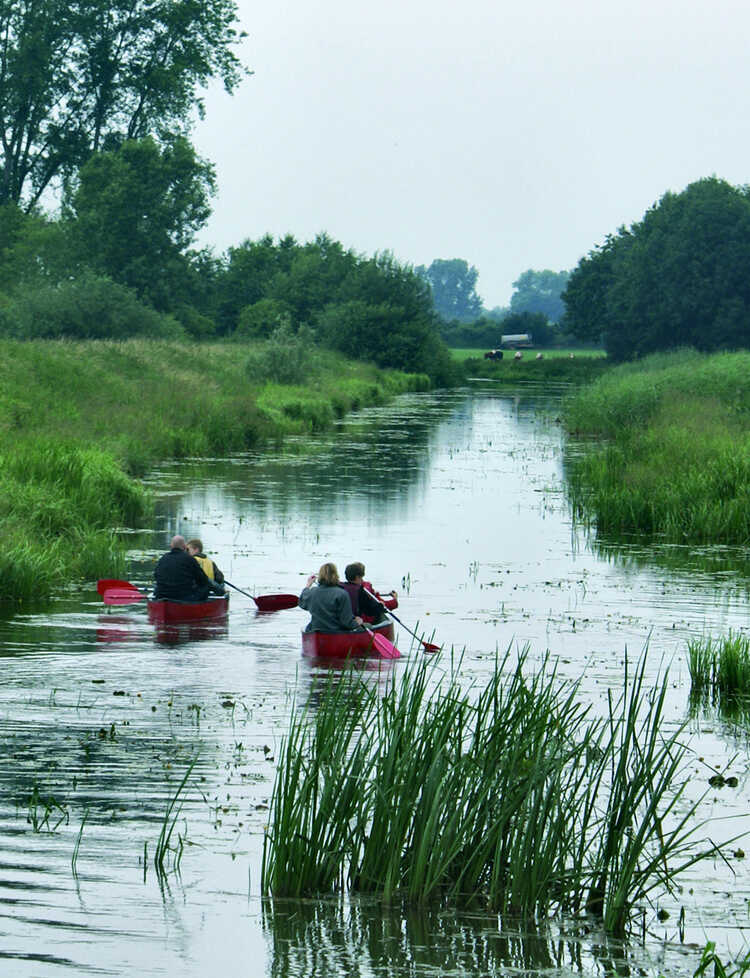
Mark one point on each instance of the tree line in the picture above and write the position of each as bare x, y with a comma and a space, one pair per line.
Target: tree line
96, 105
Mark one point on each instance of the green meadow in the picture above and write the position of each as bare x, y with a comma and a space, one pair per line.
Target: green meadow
672, 450
81, 421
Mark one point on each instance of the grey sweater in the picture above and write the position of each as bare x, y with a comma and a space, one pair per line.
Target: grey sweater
329, 607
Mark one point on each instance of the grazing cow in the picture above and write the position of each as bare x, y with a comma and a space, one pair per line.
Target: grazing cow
494, 355
517, 355
540, 356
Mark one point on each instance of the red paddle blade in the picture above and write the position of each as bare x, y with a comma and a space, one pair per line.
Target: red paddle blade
430, 646
121, 595
275, 602
387, 649
106, 585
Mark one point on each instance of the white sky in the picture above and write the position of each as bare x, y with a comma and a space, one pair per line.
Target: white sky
512, 134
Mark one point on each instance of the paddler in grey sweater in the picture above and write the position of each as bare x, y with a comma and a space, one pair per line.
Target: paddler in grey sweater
329, 606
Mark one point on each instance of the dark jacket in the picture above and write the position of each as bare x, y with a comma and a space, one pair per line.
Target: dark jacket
363, 603
329, 607
180, 578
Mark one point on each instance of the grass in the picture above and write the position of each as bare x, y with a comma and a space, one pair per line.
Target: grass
720, 668
673, 455
81, 421
509, 796
549, 353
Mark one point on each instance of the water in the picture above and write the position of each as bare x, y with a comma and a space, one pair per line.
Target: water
456, 499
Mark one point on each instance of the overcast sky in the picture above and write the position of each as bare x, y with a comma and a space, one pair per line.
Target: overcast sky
512, 134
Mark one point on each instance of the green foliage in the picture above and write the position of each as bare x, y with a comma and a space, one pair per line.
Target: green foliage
137, 208
539, 292
453, 283
76, 79
536, 324
482, 334
509, 795
87, 307
678, 460
676, 278
286, 358
260, 319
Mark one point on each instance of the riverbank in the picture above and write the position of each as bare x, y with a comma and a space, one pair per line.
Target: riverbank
675, 461
556, 365
80, 421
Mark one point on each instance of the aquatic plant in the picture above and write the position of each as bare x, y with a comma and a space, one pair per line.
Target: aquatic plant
510, 795
164, 843
42, 809
720, 667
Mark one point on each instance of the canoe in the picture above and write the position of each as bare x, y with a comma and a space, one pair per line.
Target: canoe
339, 645
177, 611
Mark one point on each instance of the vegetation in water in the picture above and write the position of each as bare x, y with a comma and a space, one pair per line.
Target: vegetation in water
511, 796
79, 421
720, 671
674, 454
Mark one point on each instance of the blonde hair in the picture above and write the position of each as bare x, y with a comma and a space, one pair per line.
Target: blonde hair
195, 544
328, 575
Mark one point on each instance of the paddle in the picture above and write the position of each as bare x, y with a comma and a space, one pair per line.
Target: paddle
428, 646
387, 649
119, 592
268, 602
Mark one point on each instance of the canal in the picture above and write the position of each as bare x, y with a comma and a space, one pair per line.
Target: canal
457, 500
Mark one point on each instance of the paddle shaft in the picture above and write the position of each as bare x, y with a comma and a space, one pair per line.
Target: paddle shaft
429, 646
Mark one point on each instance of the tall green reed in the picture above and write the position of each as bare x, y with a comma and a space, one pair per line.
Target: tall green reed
512, 795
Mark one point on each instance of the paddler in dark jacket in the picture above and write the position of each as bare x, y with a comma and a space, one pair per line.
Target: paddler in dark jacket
178, 576
212, 572
363, 599
328, 604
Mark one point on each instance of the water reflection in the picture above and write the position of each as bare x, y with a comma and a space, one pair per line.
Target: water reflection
360, 938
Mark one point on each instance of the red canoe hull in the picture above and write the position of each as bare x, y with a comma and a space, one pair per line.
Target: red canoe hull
177, 611
340, 645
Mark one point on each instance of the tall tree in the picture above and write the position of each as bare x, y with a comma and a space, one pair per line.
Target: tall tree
540, 291
453, 282
137, 210
77, 76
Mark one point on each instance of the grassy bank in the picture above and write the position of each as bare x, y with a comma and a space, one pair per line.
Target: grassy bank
675, 461
80, 421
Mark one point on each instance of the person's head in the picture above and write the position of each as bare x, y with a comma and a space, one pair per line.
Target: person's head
194, 546
328, 575
355, 573
177, 542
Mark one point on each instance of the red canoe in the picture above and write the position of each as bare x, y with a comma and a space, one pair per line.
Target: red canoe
177, 611
339, 645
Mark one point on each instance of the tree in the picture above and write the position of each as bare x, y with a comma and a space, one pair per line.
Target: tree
540, 292
676, 278
79, 76
137, 209
453, 283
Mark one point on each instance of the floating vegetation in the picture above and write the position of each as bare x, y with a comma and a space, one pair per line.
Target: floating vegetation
511, 796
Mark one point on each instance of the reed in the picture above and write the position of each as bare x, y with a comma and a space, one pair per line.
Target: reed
164, 846
511, 795
720, 667
675, 455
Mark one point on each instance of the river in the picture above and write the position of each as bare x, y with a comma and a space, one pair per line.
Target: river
457, 500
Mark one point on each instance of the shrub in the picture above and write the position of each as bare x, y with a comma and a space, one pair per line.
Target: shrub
87, 307
286, 358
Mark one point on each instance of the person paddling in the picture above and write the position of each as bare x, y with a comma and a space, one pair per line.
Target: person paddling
178, 576
212, 572
329, 605
364, 600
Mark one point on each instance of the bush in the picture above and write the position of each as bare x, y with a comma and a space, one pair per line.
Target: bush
87, 307
286, 358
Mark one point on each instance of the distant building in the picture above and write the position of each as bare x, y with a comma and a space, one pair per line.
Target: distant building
516, 341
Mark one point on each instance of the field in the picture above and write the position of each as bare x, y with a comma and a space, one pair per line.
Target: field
468, 354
